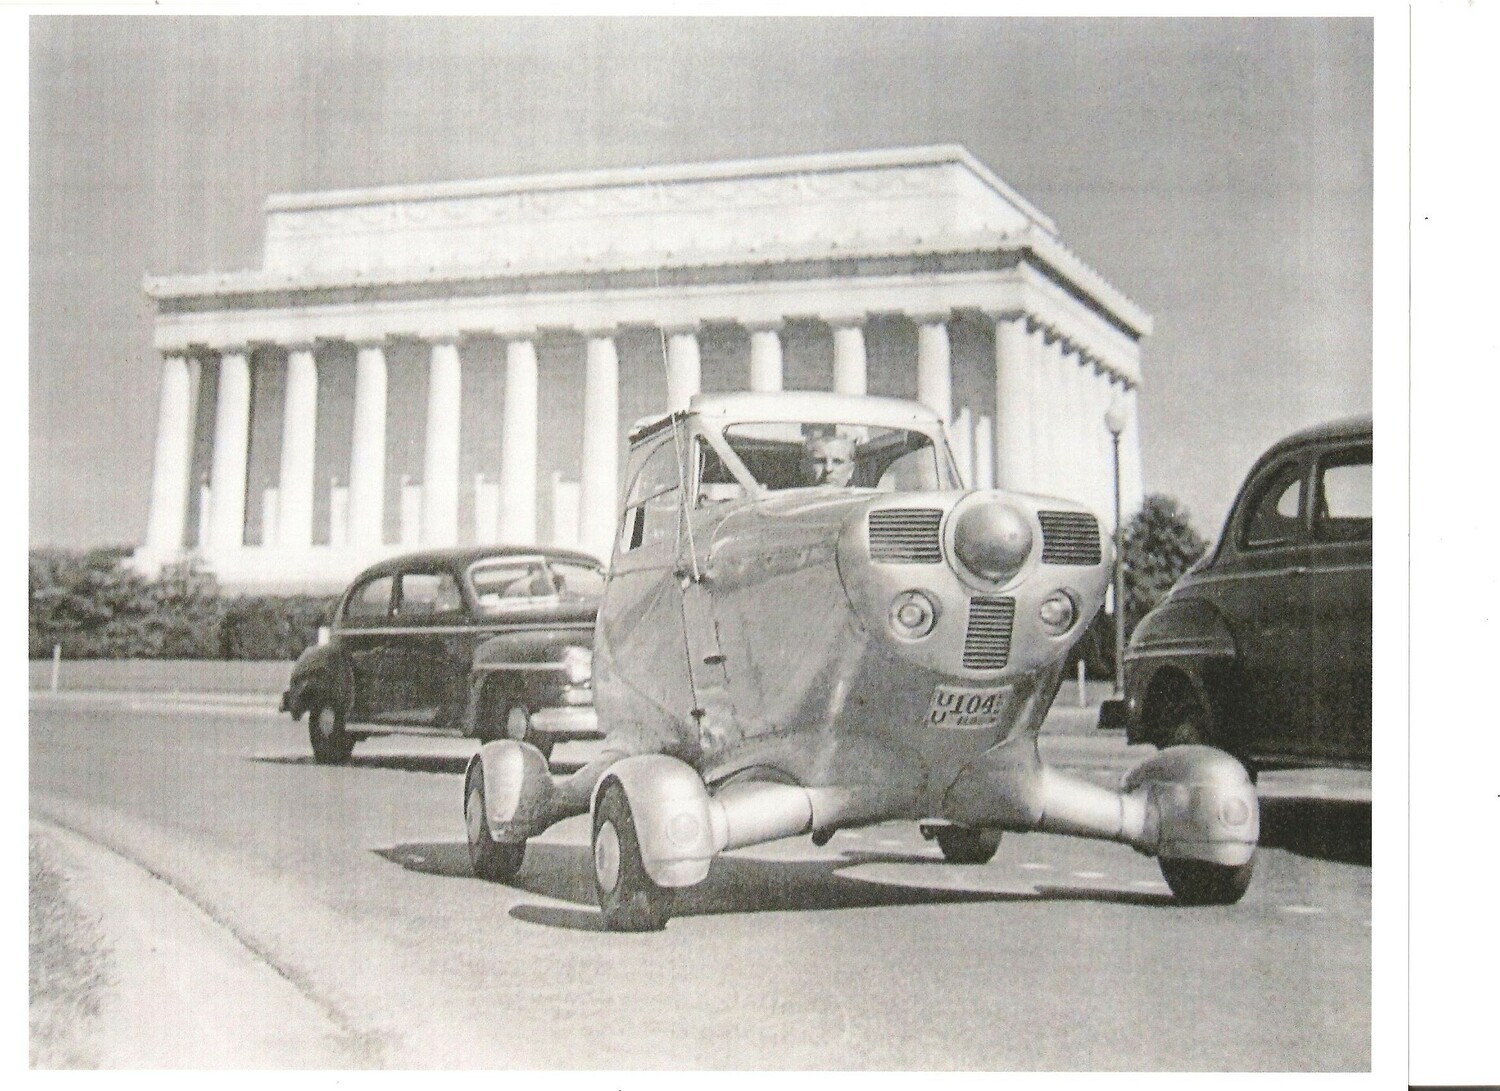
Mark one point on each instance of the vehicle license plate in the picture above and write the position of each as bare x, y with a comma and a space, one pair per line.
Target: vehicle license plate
964, 708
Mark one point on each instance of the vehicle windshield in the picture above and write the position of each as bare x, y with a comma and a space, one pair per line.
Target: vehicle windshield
802, 454
505, 584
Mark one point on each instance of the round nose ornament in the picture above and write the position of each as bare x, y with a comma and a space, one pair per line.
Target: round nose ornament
992, 540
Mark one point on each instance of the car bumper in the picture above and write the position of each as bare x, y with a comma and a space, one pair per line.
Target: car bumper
567, 723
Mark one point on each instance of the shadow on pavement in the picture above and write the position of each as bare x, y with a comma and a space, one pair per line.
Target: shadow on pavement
406, 763
1324, 829
738, 884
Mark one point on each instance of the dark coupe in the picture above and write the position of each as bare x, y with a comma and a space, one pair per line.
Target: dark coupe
484, 642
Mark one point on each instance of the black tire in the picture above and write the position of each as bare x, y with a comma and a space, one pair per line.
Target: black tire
1181, 719
964, 845
491, 860
628, 899
1199, 882
518, 726
331, 744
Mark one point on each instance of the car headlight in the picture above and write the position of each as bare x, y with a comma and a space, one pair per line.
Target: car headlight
578, 664
992, 540
912, 615
1058, 612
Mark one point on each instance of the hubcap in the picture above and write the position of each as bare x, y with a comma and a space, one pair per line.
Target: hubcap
474, 814
607, 857
517, 723
324, 723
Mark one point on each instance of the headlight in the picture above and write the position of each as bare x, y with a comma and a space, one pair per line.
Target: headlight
1058, 612
912, 615
992, 540
578, 664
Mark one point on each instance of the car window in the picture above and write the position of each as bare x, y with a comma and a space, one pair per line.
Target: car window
501, 585
1275, 508
578, 582
372, 601
802, 454
1344, 509
427, 594
716, 484
653, 507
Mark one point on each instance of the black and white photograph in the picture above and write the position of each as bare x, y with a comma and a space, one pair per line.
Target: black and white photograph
726, 544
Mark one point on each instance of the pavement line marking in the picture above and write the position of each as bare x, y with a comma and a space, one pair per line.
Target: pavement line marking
889, 842
1305, 910
1036, 867
1148, 884
1088, 874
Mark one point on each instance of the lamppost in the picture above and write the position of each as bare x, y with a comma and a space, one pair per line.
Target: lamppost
1114, 420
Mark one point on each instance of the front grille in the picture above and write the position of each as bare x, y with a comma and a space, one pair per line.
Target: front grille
1069, 537
906, 536
987, 643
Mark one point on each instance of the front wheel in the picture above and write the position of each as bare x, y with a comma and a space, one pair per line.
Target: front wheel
1200, 882
494, 861
331, 744
964, 845
628, 898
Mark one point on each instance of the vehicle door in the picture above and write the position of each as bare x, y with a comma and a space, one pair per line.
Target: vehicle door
1338, 596
365, 636
1255, 586
645, 685
427, 668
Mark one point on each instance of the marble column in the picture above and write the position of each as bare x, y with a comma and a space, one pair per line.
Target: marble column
231, 451
1079, 471
984, 453
599, 478
765, 356
367, 453
848, 354
684, 367
1043, 391
518, 443
173, 464
934, 364
961, 436
439, 520
299, 438
1013, 404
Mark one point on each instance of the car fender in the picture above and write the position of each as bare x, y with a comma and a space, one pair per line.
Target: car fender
1200, 805
321, 671
673, 814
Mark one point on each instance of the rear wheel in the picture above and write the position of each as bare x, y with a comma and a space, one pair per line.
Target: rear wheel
331, 744
628, 898
492, 860
1199, 882
965, 845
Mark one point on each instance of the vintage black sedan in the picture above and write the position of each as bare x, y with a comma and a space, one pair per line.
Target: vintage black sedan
1263, 648
487, 643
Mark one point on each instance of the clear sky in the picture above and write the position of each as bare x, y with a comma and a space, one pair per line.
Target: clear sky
1218, 172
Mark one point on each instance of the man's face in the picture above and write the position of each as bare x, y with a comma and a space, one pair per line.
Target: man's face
829, 460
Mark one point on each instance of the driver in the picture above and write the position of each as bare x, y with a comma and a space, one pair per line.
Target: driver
828, 459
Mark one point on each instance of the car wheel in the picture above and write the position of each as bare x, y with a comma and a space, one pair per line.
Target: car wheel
492, 860
1181, 719
964, 845
1199, 882
518, 726
628, 898
331, 744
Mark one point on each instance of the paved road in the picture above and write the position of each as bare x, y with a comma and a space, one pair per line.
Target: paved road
870, 953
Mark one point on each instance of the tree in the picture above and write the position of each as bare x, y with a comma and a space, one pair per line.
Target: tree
1160, 545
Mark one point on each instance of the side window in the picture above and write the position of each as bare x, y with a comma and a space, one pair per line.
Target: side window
372, 602
578, 582
653, 504
715, 483
1344, 510
429, 594
508, 584
1275, 508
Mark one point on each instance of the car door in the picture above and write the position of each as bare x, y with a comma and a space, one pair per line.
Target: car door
1338, 595
426, 671
643, 682
365, 636
1255, 588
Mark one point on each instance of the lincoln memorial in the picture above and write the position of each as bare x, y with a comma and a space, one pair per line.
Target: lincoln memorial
440, 364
